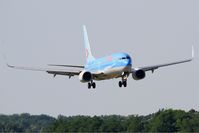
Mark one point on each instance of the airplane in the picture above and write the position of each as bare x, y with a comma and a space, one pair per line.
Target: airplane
116, 65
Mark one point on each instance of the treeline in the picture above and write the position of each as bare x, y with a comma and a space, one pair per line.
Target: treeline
25, 123
162, 121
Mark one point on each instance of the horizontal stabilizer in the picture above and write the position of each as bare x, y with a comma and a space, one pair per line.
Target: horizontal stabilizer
66, 65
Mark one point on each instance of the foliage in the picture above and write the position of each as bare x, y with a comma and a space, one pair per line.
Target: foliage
24, 123
162, 121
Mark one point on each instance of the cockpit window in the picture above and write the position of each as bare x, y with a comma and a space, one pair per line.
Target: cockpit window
123, 58
128, 57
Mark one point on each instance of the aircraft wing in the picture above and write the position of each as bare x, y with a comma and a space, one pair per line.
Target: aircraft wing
54, 71
154, 67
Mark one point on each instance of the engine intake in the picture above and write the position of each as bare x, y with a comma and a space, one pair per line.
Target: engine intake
85, 76
138, 74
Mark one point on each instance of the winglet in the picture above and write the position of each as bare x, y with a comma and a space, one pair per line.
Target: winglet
6, 62
4, 55
192, 52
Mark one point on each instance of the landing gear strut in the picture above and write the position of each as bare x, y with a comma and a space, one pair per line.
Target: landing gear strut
91, 84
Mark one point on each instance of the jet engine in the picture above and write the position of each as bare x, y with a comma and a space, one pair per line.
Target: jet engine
85, 76
138, 74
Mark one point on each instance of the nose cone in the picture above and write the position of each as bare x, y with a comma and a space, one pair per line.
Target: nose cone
127, 65
126, 59
127, 62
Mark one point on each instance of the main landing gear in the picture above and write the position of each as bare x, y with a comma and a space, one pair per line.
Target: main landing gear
123, 82
91, 84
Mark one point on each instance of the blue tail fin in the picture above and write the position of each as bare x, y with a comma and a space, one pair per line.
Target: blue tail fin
89, 56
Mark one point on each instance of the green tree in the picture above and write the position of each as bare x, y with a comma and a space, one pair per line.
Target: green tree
112, 124
134, 124
163, 121
190, 122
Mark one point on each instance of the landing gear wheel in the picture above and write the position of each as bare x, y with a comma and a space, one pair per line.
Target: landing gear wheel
124, 83
94, 85
120, 83
89, 85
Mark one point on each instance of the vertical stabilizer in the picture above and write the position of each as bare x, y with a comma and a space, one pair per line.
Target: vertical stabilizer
89, 56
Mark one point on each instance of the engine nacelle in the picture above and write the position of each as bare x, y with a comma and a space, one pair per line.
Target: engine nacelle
138, 74
85, 76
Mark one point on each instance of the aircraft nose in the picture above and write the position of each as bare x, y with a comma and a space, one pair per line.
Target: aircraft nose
128, 62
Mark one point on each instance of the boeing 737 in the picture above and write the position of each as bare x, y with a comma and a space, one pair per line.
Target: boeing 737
117, 65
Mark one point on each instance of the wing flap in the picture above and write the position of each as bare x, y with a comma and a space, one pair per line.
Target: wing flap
63, 73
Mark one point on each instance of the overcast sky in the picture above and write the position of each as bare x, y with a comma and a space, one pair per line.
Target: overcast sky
40, 32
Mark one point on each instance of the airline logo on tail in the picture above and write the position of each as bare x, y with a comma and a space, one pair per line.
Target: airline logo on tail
89, 56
